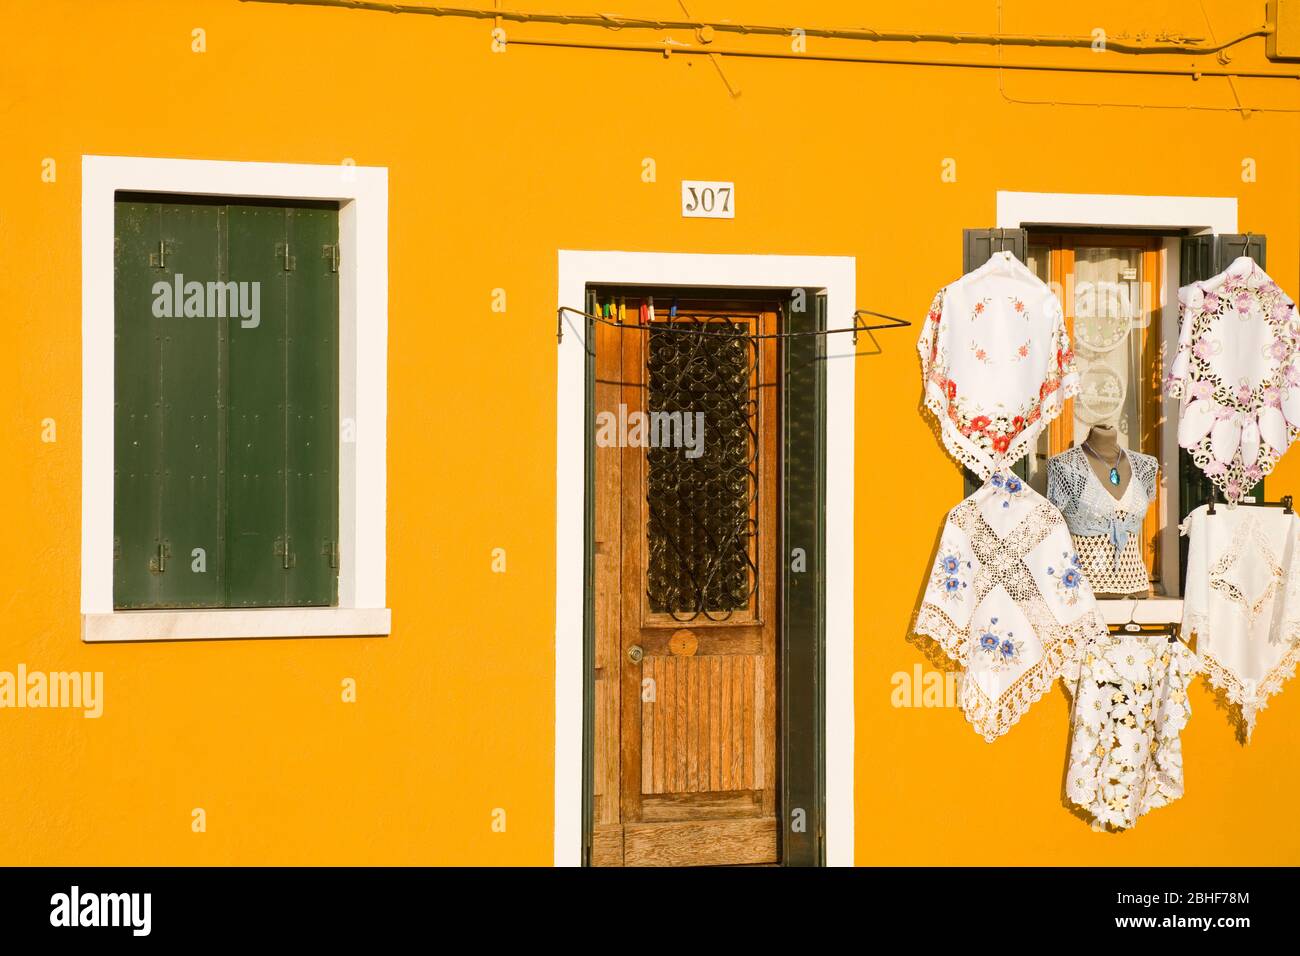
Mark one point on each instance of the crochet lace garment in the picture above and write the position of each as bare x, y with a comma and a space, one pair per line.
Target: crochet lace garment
1106, 530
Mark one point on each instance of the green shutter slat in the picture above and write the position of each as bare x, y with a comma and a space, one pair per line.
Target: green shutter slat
189, 498
137, 432
312, 417
255, 572
978, 245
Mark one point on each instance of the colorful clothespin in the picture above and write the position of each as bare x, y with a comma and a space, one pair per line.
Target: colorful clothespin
622, 310
672, 312
645, 313
651, 312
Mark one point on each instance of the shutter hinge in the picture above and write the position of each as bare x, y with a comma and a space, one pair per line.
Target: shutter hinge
159, 259
330, 251
158, 563
331, 550
288, 262
117, 549
287, 558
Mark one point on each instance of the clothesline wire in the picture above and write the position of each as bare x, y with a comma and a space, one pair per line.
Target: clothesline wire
887, 322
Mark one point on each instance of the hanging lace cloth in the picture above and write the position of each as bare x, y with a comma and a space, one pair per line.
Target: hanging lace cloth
996, 363
1237, 371
1242, 601
1106, 529
1006, 599
1130, 705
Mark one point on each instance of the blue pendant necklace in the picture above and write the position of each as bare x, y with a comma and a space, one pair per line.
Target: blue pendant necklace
1114, 467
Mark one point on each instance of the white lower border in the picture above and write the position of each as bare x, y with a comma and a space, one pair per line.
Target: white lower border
835, 274
362, 194
235, 623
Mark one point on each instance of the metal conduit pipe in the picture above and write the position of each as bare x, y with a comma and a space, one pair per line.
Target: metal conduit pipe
1194, 73
1170, 44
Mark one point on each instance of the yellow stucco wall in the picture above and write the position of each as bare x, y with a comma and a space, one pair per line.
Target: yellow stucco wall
495, 162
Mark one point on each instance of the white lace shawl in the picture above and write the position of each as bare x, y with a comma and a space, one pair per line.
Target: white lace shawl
1130, 705
1007, 600
1237, 371
1242, 601
996, 363
1088, 508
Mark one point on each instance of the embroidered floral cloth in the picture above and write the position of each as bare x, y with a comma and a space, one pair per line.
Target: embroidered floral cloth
996, 363
1242, 601
1130, 704
1237, 371
1007, 600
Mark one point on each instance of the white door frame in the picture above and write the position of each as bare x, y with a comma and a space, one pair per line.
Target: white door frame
835, 274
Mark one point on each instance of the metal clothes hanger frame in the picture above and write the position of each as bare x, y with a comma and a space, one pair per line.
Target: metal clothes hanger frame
885, 322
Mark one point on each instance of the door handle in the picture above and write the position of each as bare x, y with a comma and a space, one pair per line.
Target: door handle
635, 654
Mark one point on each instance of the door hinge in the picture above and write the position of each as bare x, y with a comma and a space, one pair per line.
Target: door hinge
158, 563
287, 262
287, 558
331, 550
330, 251
159, 259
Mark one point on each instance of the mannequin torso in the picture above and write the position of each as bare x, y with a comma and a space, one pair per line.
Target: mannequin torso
1103, 452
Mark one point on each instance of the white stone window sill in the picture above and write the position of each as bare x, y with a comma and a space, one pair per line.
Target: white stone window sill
1148, 611
230, 623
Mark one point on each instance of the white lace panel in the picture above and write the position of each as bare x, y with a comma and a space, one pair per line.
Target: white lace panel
1237, 371
1130, 705
1242, 601
996, 363
1007, 600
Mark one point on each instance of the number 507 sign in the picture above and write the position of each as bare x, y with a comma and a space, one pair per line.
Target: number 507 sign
705, 200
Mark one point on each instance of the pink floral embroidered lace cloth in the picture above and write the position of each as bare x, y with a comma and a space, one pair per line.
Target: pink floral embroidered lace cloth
996, 362
1237, 371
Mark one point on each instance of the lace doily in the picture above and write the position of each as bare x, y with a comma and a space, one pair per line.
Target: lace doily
1242, 601
1237, 371
996, 363
1130, 705
1007, 600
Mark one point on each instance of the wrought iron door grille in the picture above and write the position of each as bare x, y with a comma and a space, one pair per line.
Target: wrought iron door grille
702, 511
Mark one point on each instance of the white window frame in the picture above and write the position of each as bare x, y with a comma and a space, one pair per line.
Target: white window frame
1198, 214
835, 274
362, 192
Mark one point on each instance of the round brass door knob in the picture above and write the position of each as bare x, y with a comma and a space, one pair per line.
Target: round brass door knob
635, 654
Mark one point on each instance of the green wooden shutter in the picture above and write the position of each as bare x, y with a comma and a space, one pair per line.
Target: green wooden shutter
803, 521
167, 436
227, 424
310, 395
1200, 258
978, 246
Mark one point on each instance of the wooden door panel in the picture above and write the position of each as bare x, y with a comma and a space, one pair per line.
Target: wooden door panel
700, 843
706, 730
685, 767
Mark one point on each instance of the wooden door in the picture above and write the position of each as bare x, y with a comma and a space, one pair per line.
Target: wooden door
685, 581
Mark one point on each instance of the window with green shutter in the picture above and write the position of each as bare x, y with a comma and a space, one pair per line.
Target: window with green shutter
226, 403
